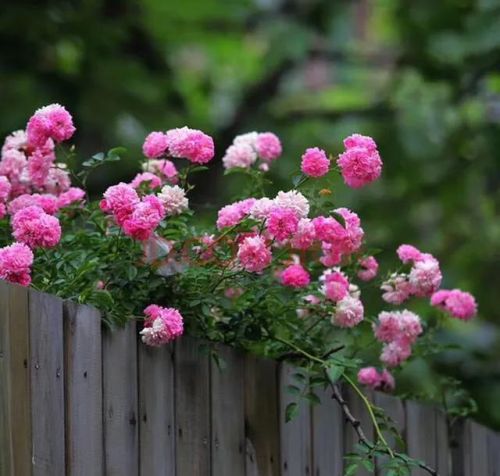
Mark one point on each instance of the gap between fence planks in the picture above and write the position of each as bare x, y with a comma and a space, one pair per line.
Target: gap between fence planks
76, 399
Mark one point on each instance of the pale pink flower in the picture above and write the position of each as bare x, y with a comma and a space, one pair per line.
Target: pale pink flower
360, 164
335, 284
369, 268
120, 200
261, 208
459, 304
331, 255
164, 167
17, 140
155, 145
398, 326
268, 146
253, 254
15, 263
151, 180
369, 376
294, 201
239, 155
425, 276
53, 122
74, 194
407, 253
282, 223
315, 163
5, 188
397, 289
354, 233
40, 163
12, 164
174, 199
190, 144
395, 352
161, 325
348, 312
248, 138
232, 214
35, 228
295, 276
144, 219
386, 383
57, 180
305, 235
45, 201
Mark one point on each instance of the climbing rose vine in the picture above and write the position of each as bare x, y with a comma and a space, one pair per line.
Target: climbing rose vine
283, 276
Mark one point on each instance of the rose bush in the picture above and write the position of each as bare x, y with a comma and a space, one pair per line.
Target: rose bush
280, 276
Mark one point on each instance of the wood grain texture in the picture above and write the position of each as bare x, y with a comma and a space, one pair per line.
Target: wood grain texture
327, 436
296, 456
262, 417
121, 441
493, 453
359, 411
83, 384
156, 411
443, 455
5, 424
228, 414
421, 434
47, 384
395, 411
192, 400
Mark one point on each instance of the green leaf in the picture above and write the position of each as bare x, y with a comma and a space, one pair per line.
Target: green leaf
131, 273
293, 390
292, 410
334, 372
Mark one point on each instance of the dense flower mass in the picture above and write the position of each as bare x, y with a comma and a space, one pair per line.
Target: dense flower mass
191, 144
459, 304
155, 145
50, 122
15, 263
161, 325
295, 276
34, 227
254, 255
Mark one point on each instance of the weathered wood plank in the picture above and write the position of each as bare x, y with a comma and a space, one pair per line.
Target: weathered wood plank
493, 453
359, 411
192, 397
5, 425
156, 411
327, 436
47, 384
475, 449
443, 455
296, 457
262, 417
421, 434
121, 445
83, 383
395, 411
228, 414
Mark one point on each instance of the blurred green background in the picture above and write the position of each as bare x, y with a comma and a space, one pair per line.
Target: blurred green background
422, 77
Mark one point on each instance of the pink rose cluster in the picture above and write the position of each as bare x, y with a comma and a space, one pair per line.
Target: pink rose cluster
315, 163
372, 378
459, 304
398, 330
248, 148
360, 164
182, 143
162, 325
35, 228
138, 217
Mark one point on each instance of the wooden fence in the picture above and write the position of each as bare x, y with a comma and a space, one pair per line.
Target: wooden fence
78, 400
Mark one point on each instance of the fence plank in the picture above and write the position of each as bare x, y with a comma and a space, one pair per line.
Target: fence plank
83, 383
47, 384
360, 412
421, 434
5, 449
443, 455
192, 397
493, 453
327, 436
228, 414
395, 411
296, 434
156, 404
121, 446
475, 449
261, 417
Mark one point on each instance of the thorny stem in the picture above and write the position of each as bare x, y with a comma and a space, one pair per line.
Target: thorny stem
347, 412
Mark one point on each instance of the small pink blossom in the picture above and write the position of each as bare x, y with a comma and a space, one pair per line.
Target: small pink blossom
174, 199
233, 293
401, 326
360, 164
336, 285
425, 276
162, 325
253, 254
348, 312
190, 144
305, 235
293, 200
369, 376
239, 155
40, 163
144, 219
232, 214
50, 122
74, 194
155, 145
395, 352
353, 231
45, 201
57, 180
369, 268
17, 140
328, 229
120, 200
15, 263
35, 228
407, 253
268, 146
315, 163
459, 304
397, 289
151, 180
282, 223
165, 168
5, 188
295, 276
12, 164
261, 208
